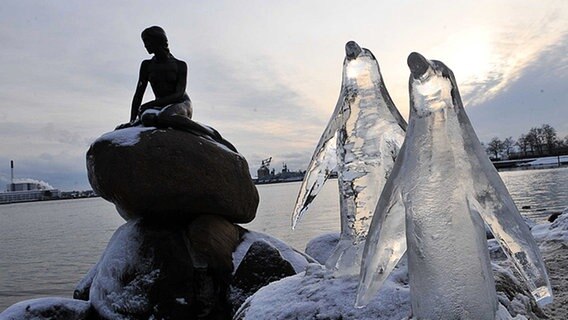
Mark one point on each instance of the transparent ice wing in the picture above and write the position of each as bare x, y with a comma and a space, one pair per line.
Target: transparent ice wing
382, 253
324, 160
496, 207
386, 239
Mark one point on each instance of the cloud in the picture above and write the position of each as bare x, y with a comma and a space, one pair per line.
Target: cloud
537, 95
253, 106
511, 52
265, 75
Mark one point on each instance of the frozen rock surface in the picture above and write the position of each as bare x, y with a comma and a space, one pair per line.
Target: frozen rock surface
144, 272
321, 247
261, 265
152, 271
554, 233
260, 259
297, 260
171, 175
553, 241
362, 138
49, 309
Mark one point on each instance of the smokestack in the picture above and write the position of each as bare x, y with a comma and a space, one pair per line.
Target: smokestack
12, 186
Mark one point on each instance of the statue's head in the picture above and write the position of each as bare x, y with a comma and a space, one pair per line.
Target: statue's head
155, 39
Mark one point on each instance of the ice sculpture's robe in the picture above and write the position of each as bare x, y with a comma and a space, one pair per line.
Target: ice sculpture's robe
446, 187
362, 138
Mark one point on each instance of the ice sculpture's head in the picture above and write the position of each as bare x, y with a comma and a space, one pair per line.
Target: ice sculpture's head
155, 39
360, 68
352, 50
432, 86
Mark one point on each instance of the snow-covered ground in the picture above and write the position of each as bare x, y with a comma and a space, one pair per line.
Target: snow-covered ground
553, 240
318, 294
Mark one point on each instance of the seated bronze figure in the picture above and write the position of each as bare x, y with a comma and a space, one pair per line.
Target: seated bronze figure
168, 79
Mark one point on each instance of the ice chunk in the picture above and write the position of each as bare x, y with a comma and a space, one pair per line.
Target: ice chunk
448, 189
363, 139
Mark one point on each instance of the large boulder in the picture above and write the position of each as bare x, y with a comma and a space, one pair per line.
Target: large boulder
145, 271
171, 175
164, 272
260, 259
184, 272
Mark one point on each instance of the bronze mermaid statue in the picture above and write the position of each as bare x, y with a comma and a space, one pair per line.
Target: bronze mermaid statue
168, 79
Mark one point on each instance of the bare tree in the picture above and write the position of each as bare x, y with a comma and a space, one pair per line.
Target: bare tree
535, 139
549, 137
495, 147
523, 144
508, 144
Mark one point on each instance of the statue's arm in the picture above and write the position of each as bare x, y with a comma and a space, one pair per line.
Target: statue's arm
140, 89
179, 92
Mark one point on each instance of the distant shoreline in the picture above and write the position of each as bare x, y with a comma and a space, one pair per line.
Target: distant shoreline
531, 163
52, 199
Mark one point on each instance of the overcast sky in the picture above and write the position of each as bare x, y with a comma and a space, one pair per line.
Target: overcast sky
266, 74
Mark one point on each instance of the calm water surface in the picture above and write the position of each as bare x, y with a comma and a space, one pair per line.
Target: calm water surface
47, 247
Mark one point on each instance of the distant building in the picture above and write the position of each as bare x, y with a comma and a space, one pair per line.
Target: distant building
28, 191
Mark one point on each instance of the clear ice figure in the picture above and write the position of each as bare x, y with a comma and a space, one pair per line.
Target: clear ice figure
361, 140
442, 192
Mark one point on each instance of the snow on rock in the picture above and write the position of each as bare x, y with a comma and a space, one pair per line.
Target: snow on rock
259, 260
297, 259
261, 265
555, 232
513, 295
124, 137
171, 176
318, 293
144, 272
321, 247
48, 308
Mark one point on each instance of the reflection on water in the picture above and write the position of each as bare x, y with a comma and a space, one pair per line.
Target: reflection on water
47, 247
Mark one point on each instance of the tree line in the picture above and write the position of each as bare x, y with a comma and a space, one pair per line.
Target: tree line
537, 142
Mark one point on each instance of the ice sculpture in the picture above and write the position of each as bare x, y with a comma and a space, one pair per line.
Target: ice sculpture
446, 187
362, 138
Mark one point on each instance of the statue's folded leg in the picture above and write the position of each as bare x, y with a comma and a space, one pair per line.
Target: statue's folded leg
167, 118
149, 118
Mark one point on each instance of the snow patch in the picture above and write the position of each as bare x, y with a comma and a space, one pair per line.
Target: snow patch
556, 231
546, 161
124, 137
47, 308
321, 247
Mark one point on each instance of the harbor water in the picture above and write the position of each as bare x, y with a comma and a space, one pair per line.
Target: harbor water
47, 247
